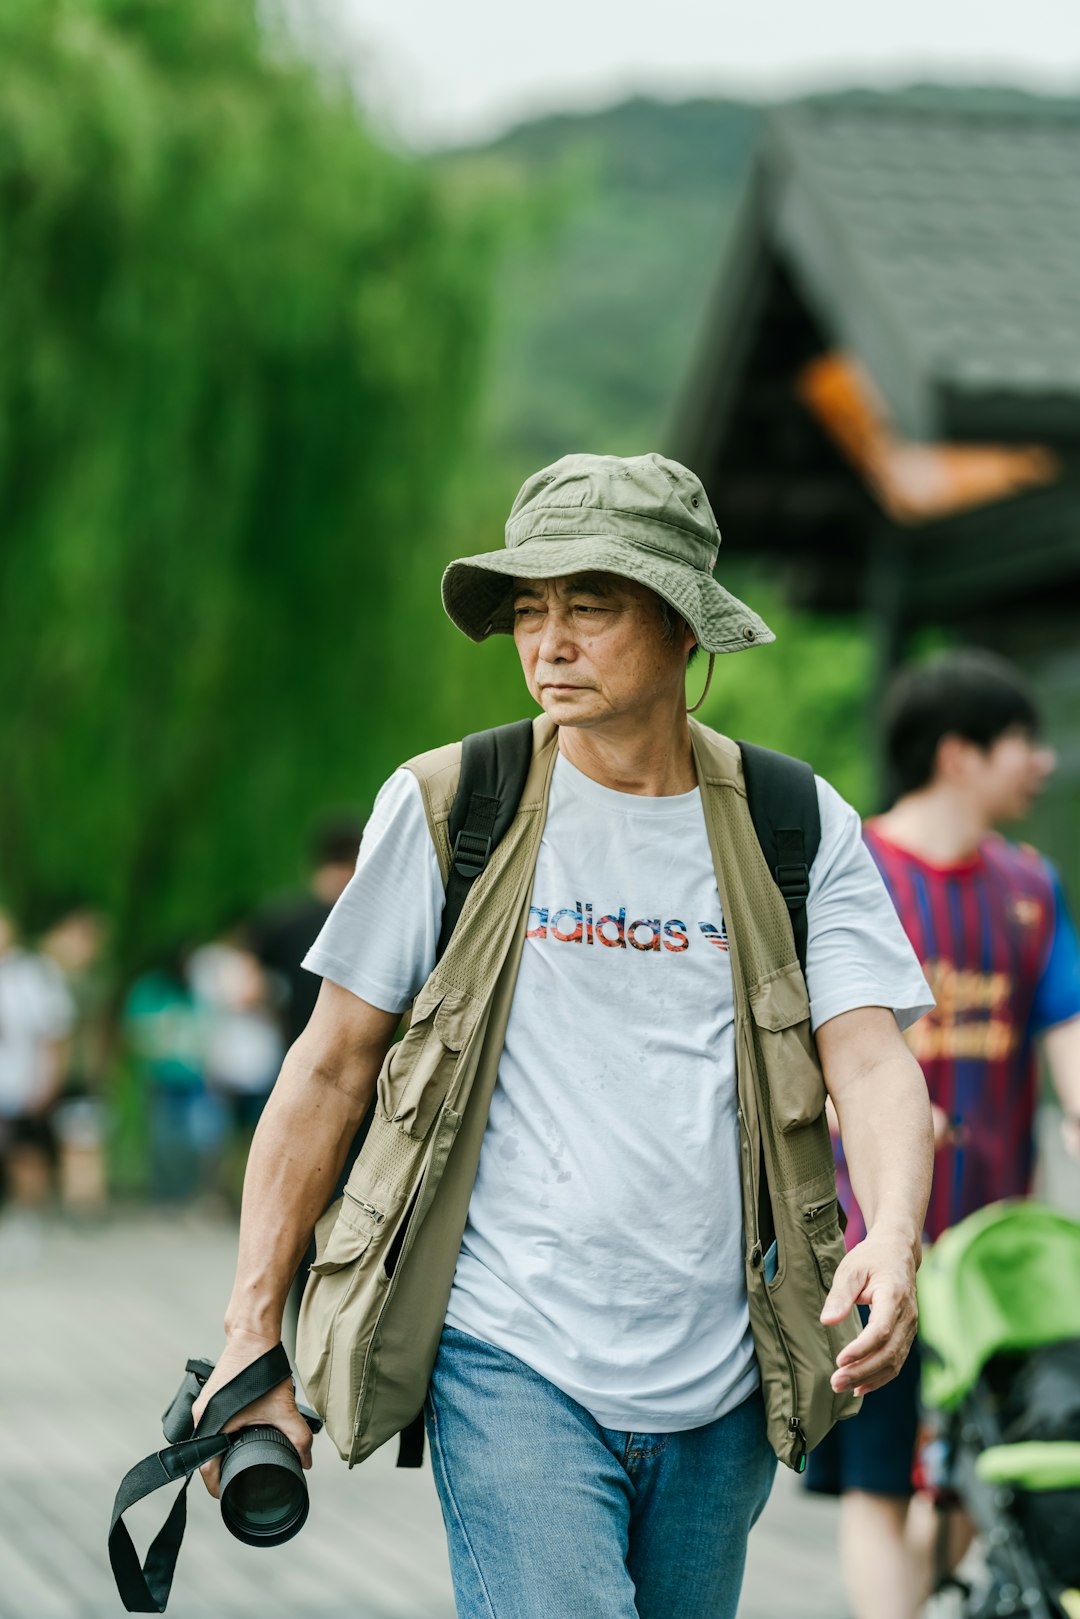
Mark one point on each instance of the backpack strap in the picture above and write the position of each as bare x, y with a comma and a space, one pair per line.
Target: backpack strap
494, 765
781, 794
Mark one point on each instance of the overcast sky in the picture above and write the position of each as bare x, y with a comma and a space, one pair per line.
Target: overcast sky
441, 71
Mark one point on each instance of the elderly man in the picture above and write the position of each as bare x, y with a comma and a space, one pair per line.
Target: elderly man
611, 1345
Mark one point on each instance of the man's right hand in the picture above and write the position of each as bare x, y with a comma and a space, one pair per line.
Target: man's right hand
314, 1110
276, 1409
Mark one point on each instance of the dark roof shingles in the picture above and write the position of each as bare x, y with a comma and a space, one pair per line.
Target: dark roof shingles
968, 229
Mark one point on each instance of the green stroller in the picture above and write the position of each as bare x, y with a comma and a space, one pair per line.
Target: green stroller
999, 1306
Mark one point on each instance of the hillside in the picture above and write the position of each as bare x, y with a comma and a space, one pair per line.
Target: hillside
597, 307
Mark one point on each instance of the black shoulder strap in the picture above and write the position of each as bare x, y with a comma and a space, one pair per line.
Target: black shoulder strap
494, 765
782, 797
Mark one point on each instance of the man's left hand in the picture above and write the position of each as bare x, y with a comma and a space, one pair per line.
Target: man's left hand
879, 1272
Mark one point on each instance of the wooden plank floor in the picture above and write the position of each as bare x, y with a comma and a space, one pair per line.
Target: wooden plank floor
97, 1323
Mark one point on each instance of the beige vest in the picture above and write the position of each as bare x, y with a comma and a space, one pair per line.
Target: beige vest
386, 1252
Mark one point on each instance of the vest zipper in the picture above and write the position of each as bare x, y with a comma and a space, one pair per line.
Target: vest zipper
369, 1208
419, 1206
810, 1216
794, 1426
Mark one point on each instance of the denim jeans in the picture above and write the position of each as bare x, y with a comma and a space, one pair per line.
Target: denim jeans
550, 1516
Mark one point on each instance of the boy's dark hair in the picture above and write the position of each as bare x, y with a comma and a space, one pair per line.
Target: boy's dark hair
970, 694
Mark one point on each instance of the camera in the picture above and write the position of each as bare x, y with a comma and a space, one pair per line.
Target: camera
264, 1499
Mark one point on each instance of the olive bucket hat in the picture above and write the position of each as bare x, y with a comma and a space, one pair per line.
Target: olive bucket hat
644, 518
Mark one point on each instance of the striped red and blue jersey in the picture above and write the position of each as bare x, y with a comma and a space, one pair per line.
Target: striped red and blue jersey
1000, 953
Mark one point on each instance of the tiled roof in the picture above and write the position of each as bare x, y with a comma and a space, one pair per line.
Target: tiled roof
944, 249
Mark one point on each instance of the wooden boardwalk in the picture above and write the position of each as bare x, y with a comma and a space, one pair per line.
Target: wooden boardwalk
96, 1327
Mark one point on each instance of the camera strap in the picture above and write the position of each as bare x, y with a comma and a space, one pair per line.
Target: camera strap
144, 1588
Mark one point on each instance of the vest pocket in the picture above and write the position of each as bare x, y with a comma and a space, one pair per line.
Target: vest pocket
781, 1011
417, 1072
344, 1233
821, 1222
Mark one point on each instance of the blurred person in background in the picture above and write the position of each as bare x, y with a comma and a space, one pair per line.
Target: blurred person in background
241, 1042
75, 940
281, 935
36, 1017
163, 1035
989, 923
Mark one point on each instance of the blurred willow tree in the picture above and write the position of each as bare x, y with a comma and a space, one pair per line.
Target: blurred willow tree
238, 342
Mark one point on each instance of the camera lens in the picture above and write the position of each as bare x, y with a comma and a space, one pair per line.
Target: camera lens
264, 1500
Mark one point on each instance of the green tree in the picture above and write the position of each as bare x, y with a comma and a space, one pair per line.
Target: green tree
238, 346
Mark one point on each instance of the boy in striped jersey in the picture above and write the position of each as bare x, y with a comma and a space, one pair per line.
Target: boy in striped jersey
988, 921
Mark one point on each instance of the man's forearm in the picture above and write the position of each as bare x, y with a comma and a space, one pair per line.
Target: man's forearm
296, 1156
326, 1083
883, 1110
887, 1133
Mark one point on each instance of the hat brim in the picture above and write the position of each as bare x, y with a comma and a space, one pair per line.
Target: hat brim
478, 595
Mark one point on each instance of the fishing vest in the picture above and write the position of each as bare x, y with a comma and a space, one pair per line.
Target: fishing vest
386, 1251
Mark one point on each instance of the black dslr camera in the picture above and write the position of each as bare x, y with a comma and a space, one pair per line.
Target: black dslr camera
264, 1499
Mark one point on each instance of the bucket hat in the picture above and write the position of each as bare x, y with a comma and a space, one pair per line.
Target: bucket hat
643, 517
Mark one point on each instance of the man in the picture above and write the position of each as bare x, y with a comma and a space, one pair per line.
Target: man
76, 941
988, 921
597, 1430
281, 935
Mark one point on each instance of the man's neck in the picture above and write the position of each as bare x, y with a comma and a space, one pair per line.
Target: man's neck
655, 762
938, 823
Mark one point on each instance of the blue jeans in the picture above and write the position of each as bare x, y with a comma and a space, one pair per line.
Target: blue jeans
550, 1516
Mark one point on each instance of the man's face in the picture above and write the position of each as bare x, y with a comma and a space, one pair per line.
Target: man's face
1010, 774
331, 880
593, 647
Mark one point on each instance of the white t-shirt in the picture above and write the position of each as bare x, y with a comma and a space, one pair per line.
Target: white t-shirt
604, 1239
35, 1009
242, 1041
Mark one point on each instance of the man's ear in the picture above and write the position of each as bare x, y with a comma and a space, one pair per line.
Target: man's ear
952, 760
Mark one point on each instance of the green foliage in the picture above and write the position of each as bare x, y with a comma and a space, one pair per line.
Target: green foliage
241, 351
805, 693
238, 346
